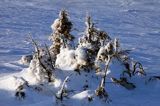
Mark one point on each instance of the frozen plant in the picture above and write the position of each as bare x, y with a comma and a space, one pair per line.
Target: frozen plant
133, 69
61, 36
93, 38
100, 91
105, 54
41, 65
91, 42
62, 92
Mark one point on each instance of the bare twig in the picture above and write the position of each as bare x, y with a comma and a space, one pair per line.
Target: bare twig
61, 92
106, 69
100, 91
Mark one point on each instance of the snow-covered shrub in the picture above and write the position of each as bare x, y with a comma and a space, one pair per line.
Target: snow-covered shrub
41, 66
91, 41
72, 59
61, 36
94, 51
66, 59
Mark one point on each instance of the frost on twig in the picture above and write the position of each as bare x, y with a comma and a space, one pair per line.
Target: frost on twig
62, 92
100, 91
105, 55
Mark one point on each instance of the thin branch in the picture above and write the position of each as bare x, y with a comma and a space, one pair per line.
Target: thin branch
106, 69
61, 92
51, 61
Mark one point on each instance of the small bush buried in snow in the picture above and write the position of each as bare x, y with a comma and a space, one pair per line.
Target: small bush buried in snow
42, 64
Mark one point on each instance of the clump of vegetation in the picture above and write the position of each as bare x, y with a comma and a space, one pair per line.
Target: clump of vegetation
42, 64
94, 52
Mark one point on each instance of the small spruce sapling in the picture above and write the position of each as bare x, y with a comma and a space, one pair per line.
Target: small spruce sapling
93, 38
61, 36
91, 41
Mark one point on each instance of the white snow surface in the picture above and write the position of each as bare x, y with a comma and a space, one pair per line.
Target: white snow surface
135, 22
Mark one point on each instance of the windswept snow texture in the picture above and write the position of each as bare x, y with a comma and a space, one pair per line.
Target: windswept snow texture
135, 22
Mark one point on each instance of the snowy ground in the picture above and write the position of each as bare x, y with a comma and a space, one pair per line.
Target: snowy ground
135, 22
